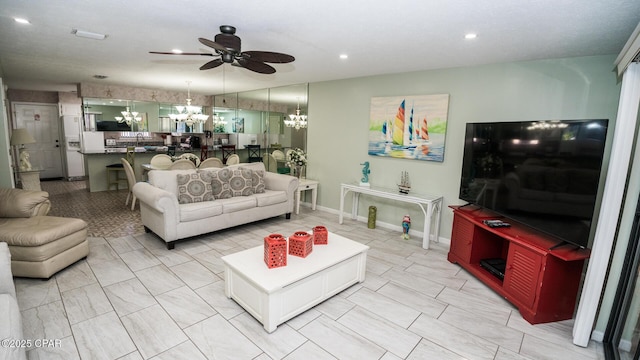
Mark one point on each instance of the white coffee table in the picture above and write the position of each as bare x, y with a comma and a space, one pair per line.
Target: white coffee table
274, 296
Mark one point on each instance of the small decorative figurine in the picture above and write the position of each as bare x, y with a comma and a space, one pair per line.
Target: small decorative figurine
406, 225
25, 164
365, 174
405, 184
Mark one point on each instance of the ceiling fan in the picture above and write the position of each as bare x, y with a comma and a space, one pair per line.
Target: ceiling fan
227, 50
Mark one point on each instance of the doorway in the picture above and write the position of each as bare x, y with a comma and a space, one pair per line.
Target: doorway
42, 122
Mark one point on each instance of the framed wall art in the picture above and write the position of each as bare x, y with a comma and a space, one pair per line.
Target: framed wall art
409, 127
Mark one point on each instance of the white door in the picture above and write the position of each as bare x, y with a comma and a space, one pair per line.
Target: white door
43, 123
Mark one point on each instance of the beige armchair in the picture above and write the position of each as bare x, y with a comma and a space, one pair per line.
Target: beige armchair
40, 245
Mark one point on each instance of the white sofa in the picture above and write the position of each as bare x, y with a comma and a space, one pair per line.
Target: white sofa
11, 324
163, 214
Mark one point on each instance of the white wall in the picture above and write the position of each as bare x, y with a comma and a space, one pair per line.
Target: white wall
574, 88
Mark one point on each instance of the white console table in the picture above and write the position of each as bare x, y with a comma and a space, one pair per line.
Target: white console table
429, 205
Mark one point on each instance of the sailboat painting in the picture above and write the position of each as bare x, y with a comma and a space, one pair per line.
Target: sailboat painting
409, 127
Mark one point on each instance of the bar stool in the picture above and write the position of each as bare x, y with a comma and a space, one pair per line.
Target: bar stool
115, 169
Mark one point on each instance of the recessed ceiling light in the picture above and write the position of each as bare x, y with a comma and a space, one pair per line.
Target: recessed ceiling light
471, 36
21, 21
88, 34
176, 51
344, 56
101, 77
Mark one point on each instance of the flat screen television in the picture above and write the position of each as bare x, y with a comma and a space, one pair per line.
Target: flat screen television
543, 174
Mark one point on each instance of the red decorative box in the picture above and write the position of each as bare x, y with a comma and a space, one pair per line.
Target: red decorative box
320, 235
300, 244
275, 251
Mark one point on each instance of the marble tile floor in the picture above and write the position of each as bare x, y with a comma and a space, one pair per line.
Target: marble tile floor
133, 299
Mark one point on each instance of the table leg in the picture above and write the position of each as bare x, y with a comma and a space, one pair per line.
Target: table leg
314, 197
354, 205
436, 231
342, 195
427, 226
297, 201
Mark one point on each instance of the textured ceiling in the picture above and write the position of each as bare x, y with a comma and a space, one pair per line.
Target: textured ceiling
379, 37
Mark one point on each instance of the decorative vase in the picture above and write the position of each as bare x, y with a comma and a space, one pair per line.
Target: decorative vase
320, 235
298, 171
275, 251
300, 244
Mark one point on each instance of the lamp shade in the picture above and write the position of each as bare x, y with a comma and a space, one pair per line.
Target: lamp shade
21, 136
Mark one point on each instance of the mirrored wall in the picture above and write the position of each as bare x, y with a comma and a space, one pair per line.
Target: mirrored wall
244, 118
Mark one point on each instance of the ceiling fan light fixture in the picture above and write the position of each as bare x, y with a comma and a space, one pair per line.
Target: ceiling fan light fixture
227, 50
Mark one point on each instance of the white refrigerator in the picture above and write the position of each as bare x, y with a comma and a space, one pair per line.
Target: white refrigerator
74, 161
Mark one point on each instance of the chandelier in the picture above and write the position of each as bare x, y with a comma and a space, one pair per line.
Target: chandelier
296, 120
218, 120
129, 116
189, 114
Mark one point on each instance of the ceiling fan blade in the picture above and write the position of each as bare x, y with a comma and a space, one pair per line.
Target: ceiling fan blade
269, 56
256, 66
172, 53
211, 64
212, 44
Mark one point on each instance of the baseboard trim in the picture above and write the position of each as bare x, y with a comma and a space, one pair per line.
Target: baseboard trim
382, 224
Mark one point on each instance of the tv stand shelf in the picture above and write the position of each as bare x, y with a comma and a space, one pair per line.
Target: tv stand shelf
541, 280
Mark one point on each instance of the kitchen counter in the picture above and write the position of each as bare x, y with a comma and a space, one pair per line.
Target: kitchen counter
96, 161
95, 164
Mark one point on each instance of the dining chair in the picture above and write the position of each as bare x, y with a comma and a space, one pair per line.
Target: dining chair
270, 163
227, 150
279, 155
161, 161
131, 180
233, 159
211, 163
254, 153
182, 164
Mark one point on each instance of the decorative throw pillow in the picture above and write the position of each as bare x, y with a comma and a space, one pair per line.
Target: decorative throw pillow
193, 188
240, 182
257, 178
219, 180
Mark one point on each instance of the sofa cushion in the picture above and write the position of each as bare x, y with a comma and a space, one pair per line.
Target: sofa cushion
257, 178
238, 203
166, 179
193, 188
219, 179
38, 230
200, 210
271, 197
240, 182
16, 203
